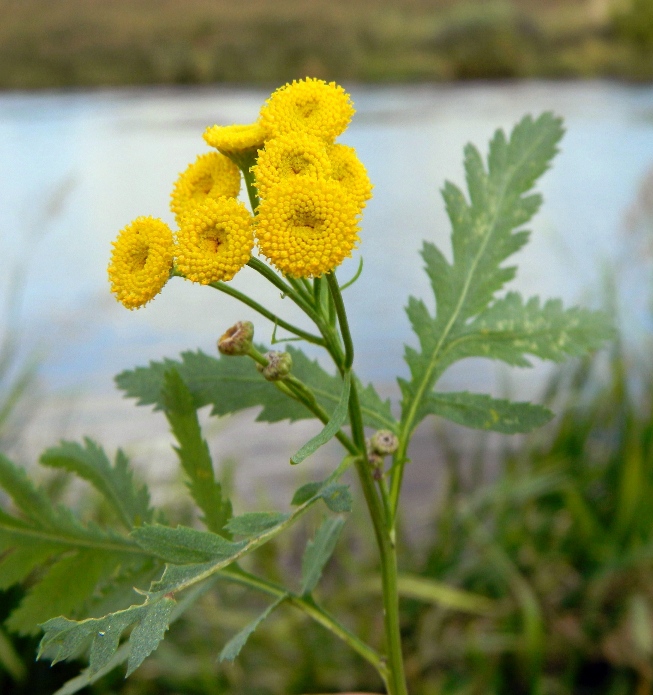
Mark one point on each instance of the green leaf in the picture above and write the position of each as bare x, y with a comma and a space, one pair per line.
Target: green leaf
193, 451
483, 412
469, 320
50, 539
65, 639
307, 492
115, 483
318, 551
255, 523
511, 329
231, 384
56, 594
337, 497
438, 593
183, 545
329, 431
88, 677
236, 643
202, 554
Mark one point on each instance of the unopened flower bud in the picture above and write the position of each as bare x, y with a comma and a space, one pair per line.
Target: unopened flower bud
278, 366
384, 442
238, 339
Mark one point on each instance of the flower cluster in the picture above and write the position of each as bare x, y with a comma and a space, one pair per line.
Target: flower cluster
307, 195
312, 190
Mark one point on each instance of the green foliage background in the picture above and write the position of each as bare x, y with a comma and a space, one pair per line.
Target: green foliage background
136, 42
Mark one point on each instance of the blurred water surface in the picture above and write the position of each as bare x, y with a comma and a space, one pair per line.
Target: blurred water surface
105, 157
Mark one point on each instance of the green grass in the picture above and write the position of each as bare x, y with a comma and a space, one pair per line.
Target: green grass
135, 42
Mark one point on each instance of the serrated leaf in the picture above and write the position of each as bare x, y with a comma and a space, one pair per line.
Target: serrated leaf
130, 502
232, 384
231, 650
149, 631
338, 417
255, 523
88, 677
482, 412
50, 539
56, 594
511, 329
193, 451
486, 229
318, 551
65, 639
183, 545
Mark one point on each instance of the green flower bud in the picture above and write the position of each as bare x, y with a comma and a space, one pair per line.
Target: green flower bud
278, 366
238, 339
384, 443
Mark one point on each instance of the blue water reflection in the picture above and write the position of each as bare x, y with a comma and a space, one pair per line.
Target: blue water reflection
123, 149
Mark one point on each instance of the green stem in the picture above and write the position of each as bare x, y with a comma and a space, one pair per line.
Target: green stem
381, 522
286, 289
245, 160
385, 534
232, 292
314, 611
297, 390
301, 392
342, 320
251, 189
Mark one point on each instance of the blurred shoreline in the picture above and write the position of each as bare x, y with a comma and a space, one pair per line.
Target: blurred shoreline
88, 43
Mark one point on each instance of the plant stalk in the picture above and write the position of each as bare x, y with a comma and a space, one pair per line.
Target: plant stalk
383, 525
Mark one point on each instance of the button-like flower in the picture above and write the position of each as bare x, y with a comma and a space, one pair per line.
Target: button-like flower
350, 172
307, 228
215, 240
288, 156
230, 139
309, 106
141, 261
211, 175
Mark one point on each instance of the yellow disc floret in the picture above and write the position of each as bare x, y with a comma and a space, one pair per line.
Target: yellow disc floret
211, 175
235, 138
309, 106
350, 172
141, 261
215, 240
289, 156
306, 228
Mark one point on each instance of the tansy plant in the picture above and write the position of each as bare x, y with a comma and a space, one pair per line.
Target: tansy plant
110, 592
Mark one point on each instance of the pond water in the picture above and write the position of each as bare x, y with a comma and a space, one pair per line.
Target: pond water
77, 167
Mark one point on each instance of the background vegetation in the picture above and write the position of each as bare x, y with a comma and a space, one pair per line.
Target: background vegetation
64, 43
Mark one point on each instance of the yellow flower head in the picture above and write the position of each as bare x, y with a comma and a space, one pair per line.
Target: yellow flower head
289, 156
307, 228
235, 138
211, 175
141, 261
350, 172
215, 240
309, 106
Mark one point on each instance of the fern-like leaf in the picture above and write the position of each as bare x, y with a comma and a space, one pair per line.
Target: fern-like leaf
487, 228
130, 502
48, 542
231, 384
193, 452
